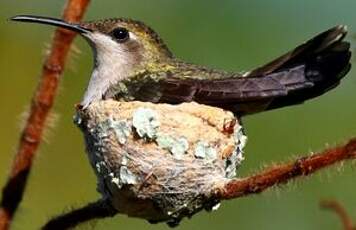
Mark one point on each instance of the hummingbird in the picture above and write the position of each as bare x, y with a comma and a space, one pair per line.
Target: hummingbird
132, 62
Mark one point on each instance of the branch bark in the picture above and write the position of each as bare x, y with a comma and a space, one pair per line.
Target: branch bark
42, 103
283, 173
277, 175
98, 209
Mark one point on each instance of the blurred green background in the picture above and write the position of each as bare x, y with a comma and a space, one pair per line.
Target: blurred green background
234, 35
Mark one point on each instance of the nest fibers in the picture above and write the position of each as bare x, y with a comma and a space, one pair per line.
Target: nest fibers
161, 162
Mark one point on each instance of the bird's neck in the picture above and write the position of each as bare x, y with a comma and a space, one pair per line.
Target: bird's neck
108, 72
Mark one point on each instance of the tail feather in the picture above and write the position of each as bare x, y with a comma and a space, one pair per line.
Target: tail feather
326, 60
306, 72
303, 52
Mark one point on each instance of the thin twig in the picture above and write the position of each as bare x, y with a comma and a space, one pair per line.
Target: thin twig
98, 209
339, 209
42, 102
283, 173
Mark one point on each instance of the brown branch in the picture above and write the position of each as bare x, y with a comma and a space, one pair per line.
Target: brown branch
42, 102
338, 209
283, 173
236, 188
95, 210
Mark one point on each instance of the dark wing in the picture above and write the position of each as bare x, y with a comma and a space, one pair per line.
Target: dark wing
242, 95
306, 72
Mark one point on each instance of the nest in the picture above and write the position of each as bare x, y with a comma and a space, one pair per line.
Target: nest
161, 162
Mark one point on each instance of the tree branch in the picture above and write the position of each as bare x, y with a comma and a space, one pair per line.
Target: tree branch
242, 187
42, 102
338, 209
283, 173
98, 209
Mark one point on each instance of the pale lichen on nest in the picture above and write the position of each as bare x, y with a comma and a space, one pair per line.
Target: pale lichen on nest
161, 162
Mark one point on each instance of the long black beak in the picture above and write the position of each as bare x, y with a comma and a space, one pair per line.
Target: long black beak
51, 21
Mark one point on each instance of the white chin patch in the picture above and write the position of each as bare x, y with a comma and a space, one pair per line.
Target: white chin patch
112, 64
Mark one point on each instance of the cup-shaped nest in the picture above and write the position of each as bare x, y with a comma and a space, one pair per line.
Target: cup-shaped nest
161, 162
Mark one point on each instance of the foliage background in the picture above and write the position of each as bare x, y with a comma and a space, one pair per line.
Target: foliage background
234, 35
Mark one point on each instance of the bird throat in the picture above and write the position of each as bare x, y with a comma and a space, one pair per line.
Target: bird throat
111, 65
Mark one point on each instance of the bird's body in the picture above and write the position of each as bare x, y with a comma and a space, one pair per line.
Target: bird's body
133, 63
156, 82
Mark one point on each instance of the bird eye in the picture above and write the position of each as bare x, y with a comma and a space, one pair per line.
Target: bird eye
120, 34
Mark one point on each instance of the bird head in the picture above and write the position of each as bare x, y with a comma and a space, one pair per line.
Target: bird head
121, 48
